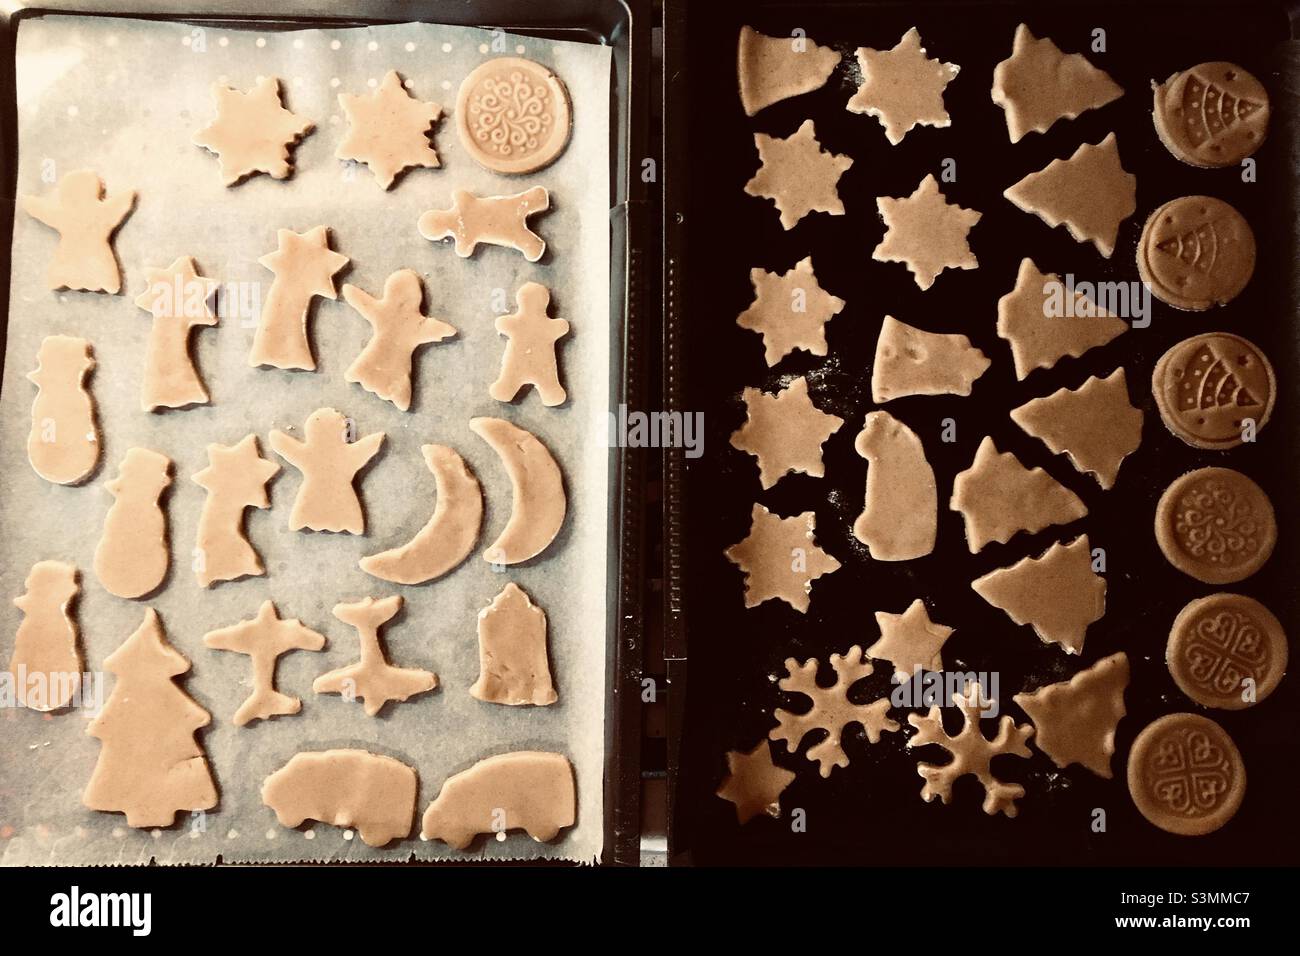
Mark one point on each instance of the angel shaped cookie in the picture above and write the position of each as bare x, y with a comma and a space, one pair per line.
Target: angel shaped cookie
85, 219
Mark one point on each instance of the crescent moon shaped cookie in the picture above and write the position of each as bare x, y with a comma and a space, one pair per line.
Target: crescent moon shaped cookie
265, 638
345, 788
132, 557
45, 646
1226, 650
529, 358
512, 115
900, 510
372, 679
1185, 774
252, 131
304, 266
1207, 386
528, 790
495, 220
1215, 114
1216, 525
388, 130
235, 479
771, 69
179, 299
63, 445
538, 504
329, 462
450, 534
1196, 252
85, 219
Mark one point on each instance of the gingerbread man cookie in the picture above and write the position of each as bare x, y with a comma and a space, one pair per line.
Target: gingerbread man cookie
530, 349
63, 445
304, 266
179, 299
329, 460
495, 220
85, 219
252, 131
388, 130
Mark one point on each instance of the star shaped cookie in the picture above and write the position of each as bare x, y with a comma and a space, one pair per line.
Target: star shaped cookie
780, 558
926, 232
790, 310
754, 783
252, 132
388, 130
910, 641
785, 432
798, 175
902, 87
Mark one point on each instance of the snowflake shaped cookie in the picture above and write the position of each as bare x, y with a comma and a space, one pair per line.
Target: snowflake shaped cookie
252, 132
388, 130
798, 175
926, 232
902, 87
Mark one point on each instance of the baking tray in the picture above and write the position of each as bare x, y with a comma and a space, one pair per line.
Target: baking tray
871, 811
624, 26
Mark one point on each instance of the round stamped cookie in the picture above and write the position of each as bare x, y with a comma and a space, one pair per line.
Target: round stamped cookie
1214, 114
513, 115
1209, 385
1196, 252
1216, 525
1186, 775
1218, 643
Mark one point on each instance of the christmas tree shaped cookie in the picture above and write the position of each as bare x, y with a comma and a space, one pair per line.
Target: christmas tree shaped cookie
252, 131
530, 348
46, 665
150, 764
911, 361
754, 783
926, 232
780, 558
235, 479
85, 220
785, 432
790, 310
900, 510
513, 667
399, 328
798, 175
304, 266
495, 220
1076, 719
178, 298
264, 638
771, 69
329, 461
902, 87
388, 130
132, 557
372, 679
63, 445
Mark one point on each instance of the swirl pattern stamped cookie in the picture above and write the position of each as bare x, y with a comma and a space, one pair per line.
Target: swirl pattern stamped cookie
1227, 651
513, 115
1216, 525
1209, 386
1214, 114
1196, 252
1186, 775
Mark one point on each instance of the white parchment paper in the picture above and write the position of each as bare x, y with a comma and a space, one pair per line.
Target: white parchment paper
124, 97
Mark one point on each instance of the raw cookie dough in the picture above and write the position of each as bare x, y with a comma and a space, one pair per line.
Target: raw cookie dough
1090, 193
798, 175
63, 445
85, 219
495, 220
1207, 386
513, 115
132, 557
252, 131
1226, 650
1043, 328
345, 788
910, 361
1076, 719
448, 537
972, 753
1196, 252
780, 558
235, 479
1095, 424
388, 130
1038, 85
790, 310
1058, 593
770, 69
46, 664
372, 679
1216, 525
527, 789
150, 764
1215, 114
513, 667
754, 783
784, 432
327, 499
530, 348
304, 266
998, 497
398, 328
1186, 775
900, 510
902, 87
910, 641
538, 502
926, 232
264, 638
179, 299
831, 711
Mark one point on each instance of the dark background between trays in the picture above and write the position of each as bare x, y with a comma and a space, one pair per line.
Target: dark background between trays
871, 811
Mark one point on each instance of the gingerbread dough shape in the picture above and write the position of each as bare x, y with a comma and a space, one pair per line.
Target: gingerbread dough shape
512, 115
771, 69
63, 445
513, 666
1213, 115
902, 87
399, 328
780, 558
329, 462
150, 765
1226, 650
790, 310
46, 663
910, 641
264, 638
926, 232
530, 348
85, 219
524, 790
252, 131
372, 679
179, 299
538, 502
304, 266
235, 479
798, 175
495, 220
1089, 193
1075, 720
1208, 386
1185, 774
910, 361
1216, 525
132, 557
785, 432
388, 130
345, 788
754, 783
900, 512
1196, 252
450, 534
